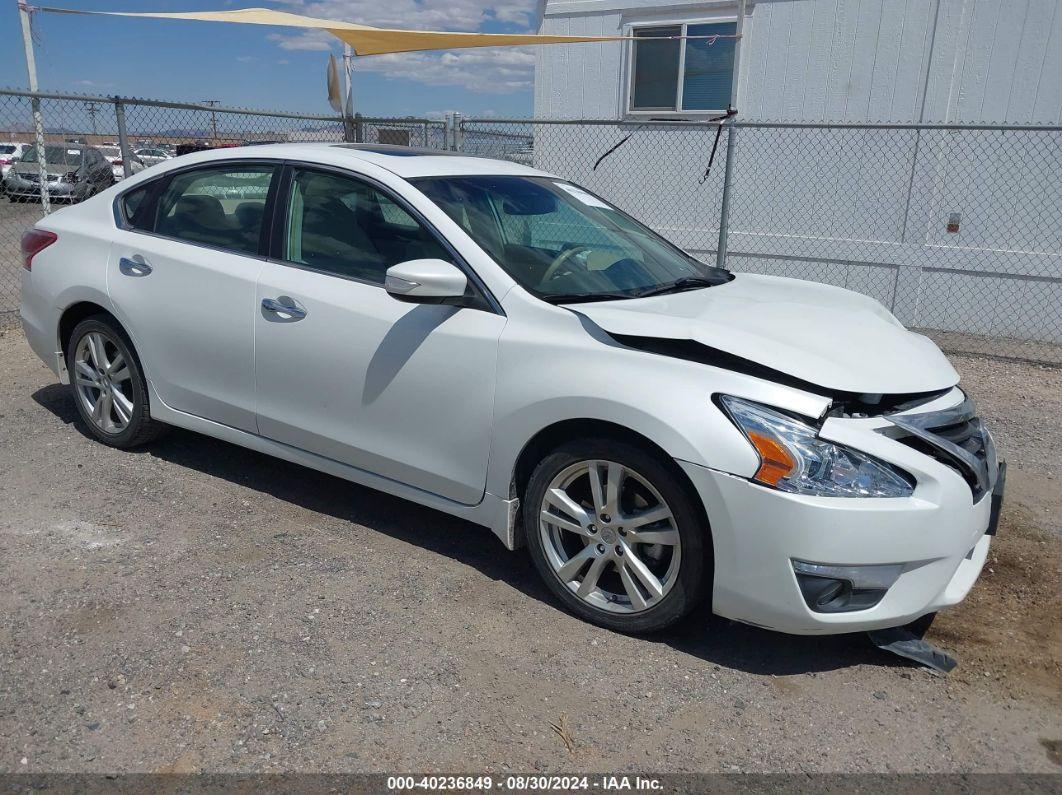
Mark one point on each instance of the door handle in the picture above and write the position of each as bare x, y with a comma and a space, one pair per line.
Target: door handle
134, 267
291, 310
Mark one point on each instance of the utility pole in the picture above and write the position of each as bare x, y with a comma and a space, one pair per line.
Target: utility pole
92, 108
213, 116
35, 103
348, 69
349, 119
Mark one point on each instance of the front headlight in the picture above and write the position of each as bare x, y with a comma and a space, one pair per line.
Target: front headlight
793, 458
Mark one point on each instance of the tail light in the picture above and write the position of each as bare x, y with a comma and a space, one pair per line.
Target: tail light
34, 241
6, 161
117, 163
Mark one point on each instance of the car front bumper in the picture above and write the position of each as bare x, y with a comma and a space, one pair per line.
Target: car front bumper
935, 540
17, 186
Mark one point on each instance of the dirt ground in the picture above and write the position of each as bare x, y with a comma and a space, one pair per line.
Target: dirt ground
199, 607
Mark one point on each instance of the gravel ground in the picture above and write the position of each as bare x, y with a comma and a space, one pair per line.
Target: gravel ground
199, 607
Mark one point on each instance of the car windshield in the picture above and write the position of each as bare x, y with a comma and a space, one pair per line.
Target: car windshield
563, 243
54, 156
109, 151
7, 149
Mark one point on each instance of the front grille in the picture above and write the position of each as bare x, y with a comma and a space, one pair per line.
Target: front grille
957, 438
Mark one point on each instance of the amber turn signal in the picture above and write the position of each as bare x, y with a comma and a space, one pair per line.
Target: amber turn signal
775, 460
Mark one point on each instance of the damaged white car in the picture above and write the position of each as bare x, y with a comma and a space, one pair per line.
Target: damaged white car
502, 345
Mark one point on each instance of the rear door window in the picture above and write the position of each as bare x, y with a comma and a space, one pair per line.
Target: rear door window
221, 206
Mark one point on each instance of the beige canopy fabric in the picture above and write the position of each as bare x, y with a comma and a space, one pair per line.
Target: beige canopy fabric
364, 39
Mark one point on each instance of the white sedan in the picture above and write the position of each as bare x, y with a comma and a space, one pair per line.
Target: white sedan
503, 345
114, 157
152, 156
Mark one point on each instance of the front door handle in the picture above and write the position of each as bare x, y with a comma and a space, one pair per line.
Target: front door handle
291, 310
134, 267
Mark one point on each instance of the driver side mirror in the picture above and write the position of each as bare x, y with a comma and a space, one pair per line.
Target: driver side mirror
427, 281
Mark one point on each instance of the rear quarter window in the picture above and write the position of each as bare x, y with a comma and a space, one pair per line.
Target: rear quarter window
131, 203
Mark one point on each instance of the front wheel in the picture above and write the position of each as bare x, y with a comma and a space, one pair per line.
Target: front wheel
616, 535
109, 386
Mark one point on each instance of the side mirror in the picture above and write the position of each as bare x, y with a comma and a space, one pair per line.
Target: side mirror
427, 281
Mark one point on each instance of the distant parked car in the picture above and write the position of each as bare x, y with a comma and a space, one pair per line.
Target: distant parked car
187, 149
151, 156
114, 157
10, 153
75, 172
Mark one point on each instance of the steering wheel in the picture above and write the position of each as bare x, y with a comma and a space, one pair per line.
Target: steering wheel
563, 257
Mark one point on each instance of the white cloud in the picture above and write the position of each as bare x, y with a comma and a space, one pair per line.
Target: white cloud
490, 70
487, 71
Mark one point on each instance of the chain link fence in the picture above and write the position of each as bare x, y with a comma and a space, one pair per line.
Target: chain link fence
956, 229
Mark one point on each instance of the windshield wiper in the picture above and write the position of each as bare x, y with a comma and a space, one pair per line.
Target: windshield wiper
685, 283
583, 298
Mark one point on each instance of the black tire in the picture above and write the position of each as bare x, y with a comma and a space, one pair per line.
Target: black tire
141, 428
693, 579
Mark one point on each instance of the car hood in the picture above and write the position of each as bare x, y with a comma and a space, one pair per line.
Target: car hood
823, 335
34, 168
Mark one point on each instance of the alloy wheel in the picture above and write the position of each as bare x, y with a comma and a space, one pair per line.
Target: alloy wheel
103, 383
610, 536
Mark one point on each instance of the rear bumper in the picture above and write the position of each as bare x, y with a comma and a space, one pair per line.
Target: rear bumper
37, 323
937, 536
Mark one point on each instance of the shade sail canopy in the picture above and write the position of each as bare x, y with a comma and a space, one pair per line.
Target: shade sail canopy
365, 40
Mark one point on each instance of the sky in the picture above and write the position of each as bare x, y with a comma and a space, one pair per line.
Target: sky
252, 66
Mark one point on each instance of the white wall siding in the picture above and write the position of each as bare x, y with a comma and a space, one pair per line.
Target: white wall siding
865, 209
834, 60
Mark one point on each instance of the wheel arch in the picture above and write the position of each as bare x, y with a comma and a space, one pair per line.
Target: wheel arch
77, 312
552, 436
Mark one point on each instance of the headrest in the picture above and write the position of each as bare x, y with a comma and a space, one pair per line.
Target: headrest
203, 210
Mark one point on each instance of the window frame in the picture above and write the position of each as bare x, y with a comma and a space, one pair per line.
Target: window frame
158, 186
630, 28
279, 220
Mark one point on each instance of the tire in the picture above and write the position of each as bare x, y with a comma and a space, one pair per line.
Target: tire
97, 376
607, 543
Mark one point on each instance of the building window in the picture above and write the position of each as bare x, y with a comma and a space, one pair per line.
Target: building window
682, 75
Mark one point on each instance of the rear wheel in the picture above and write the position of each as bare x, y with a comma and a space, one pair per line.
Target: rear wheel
616, 535
109, 386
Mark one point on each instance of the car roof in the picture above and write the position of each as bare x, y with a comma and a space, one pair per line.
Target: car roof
405, 161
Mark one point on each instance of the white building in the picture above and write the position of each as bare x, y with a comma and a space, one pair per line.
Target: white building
954, 230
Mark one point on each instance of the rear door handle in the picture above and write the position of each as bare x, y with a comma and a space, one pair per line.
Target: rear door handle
134, 267
291, 310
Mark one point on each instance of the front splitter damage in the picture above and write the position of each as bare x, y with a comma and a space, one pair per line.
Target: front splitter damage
907, 642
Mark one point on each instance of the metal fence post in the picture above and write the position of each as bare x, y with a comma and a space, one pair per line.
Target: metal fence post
123, 138
35, 104
724, 203
459, 132
359, 129
42, 166
448, 130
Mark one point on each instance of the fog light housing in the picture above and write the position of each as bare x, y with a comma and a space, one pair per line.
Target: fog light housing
844, 589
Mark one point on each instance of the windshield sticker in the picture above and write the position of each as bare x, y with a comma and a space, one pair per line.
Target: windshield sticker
72, 151
582, 195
